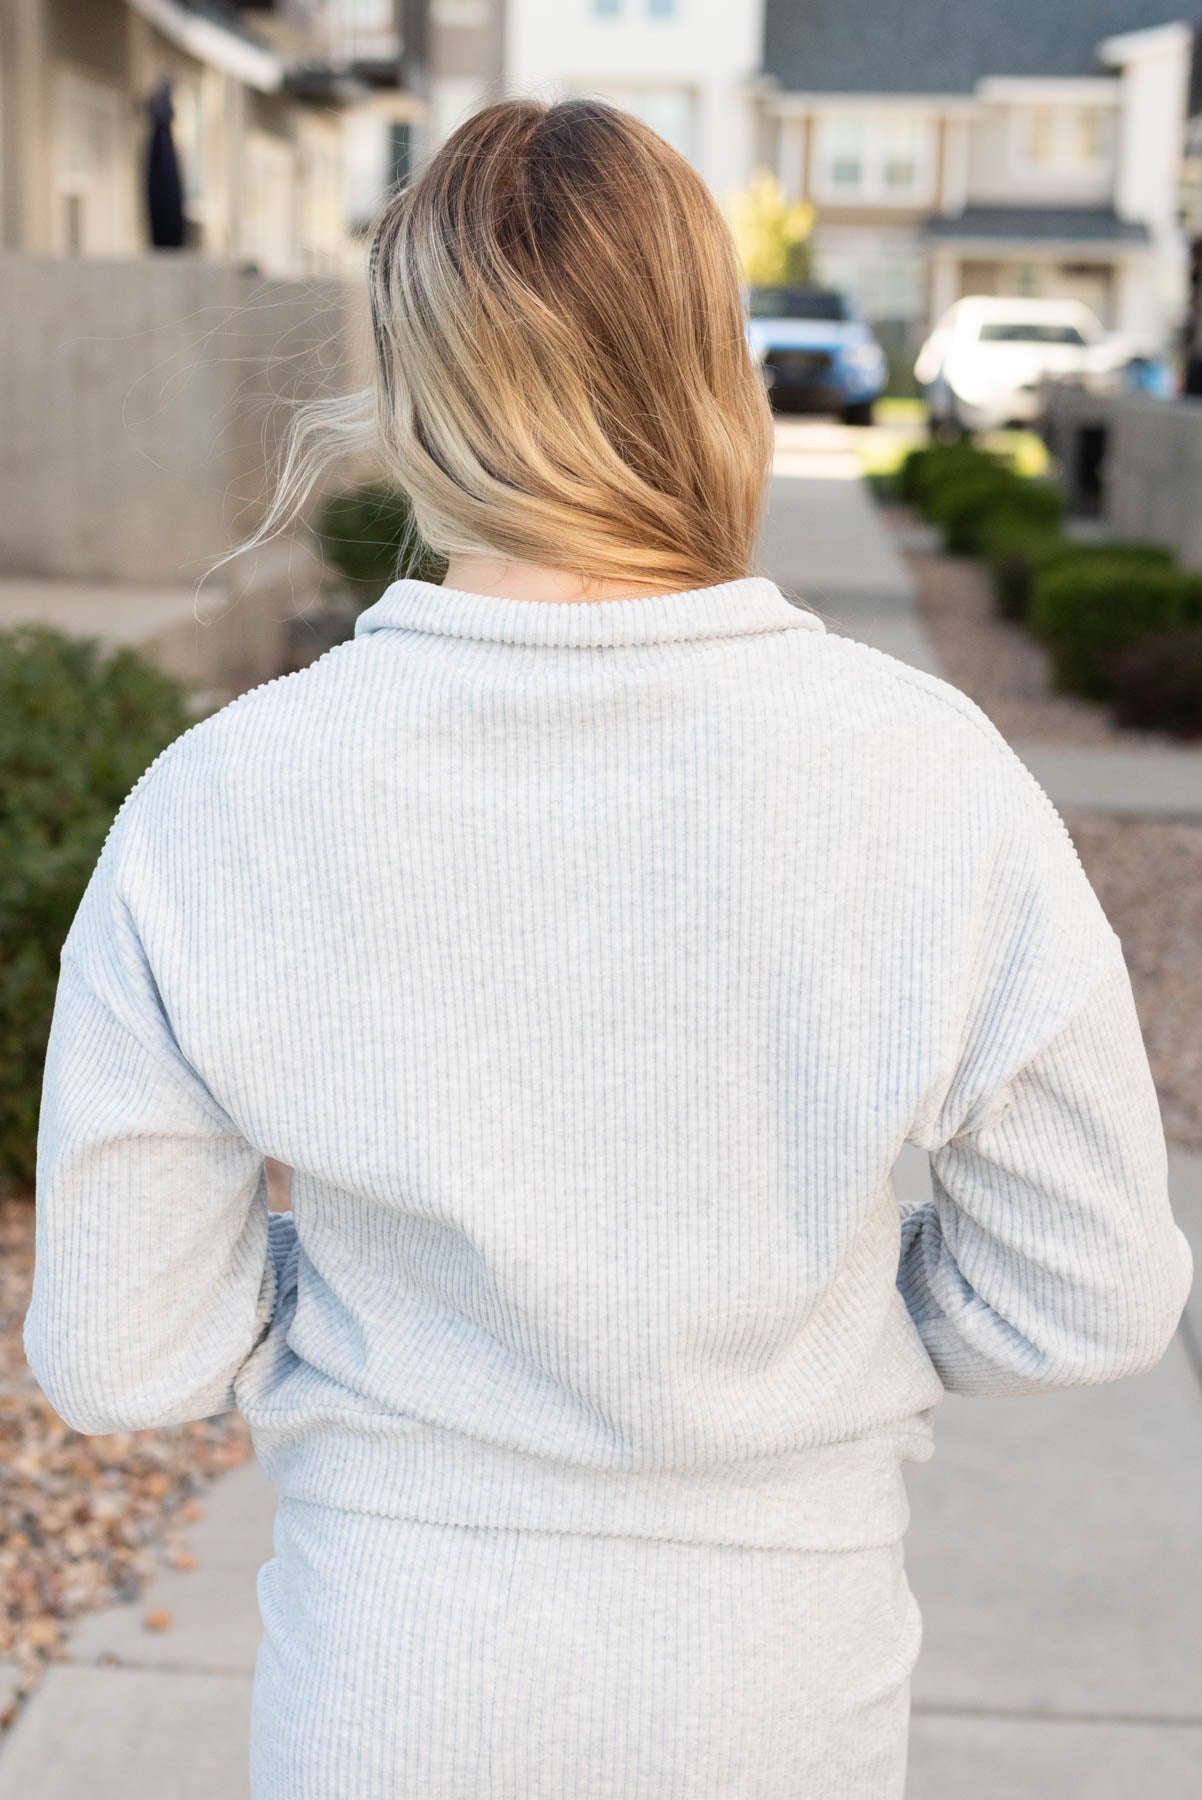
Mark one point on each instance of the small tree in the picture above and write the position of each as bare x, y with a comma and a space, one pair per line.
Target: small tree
772, 233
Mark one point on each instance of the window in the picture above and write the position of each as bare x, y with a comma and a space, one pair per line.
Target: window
400, 152
874, 157
88, 157
605, 9
368, 15
661, 9
1041, 134
1028, 332
796, 303
883, 277
1095, 126
1068, 139
268, 237
460, 13
845, 158
321, 200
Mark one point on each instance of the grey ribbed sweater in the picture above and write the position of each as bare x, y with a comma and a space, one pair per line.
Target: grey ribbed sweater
590, 964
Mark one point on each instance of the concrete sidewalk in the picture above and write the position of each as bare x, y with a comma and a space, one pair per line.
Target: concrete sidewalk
1056, 1551
136, 1714
824, 543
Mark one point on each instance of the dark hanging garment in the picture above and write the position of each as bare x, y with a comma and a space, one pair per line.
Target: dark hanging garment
164, 189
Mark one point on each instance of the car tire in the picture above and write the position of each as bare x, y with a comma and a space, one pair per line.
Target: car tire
859, 412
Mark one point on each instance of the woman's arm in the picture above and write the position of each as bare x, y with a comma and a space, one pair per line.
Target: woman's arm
1048, 1255
157, 1264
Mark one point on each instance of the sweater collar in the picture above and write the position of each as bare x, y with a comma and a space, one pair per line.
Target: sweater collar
729, 609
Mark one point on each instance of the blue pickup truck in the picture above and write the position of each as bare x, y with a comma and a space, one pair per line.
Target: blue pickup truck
816, 350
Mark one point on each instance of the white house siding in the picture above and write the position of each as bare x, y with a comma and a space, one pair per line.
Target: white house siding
684, 72
1155, 75
1030, 143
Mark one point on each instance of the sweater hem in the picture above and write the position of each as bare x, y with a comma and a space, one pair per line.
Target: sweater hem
846, 1496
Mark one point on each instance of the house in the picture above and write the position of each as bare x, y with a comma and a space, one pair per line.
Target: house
687, 67
291, 119
958, 146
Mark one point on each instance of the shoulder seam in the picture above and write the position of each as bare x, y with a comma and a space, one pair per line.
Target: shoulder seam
169, 750
962, 704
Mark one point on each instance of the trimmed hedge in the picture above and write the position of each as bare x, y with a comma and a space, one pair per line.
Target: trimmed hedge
1156, 684
1017, 551
1121, 621
369, 535
929, 467
1087, 609
969, 507
78, 726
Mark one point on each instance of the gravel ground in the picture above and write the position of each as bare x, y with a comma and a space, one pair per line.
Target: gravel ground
1148, 876
84, 1521
1003, 668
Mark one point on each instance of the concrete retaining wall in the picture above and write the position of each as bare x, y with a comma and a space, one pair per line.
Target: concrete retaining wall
141, 405
1150, 468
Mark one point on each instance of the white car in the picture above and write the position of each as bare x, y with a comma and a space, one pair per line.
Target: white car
981, 366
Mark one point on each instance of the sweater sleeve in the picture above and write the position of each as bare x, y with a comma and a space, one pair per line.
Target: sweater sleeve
157, 1263
1048, 1255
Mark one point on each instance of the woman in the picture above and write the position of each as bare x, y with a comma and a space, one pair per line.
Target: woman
589, 934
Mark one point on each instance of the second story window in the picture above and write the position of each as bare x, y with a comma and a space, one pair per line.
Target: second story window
1041, 134
1063, 139
1095, 126
872, 157
605, 9
661, 9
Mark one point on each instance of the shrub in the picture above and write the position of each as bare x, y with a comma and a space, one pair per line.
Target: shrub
1014, 551
368, 534
967, 508
931, 466
77, 729
1156, 684
1017, 551
1088, 608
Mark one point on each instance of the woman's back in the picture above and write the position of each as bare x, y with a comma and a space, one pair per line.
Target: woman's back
590, 960
590, 965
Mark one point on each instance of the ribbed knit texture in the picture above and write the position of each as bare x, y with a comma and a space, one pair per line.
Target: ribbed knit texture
402, 1660
590, 964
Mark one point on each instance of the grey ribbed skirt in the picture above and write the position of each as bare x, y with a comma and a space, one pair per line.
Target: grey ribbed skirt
409, 1661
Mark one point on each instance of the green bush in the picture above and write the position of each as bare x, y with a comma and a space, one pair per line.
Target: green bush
77, 728
369, 535
1156, 684
967, 508
1017, 551
1088, 608
1014, 551
929, 467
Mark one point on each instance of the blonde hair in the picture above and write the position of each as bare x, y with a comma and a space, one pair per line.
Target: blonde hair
563, 375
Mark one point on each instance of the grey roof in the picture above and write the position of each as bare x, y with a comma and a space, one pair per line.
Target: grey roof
1049, 224
942, 46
